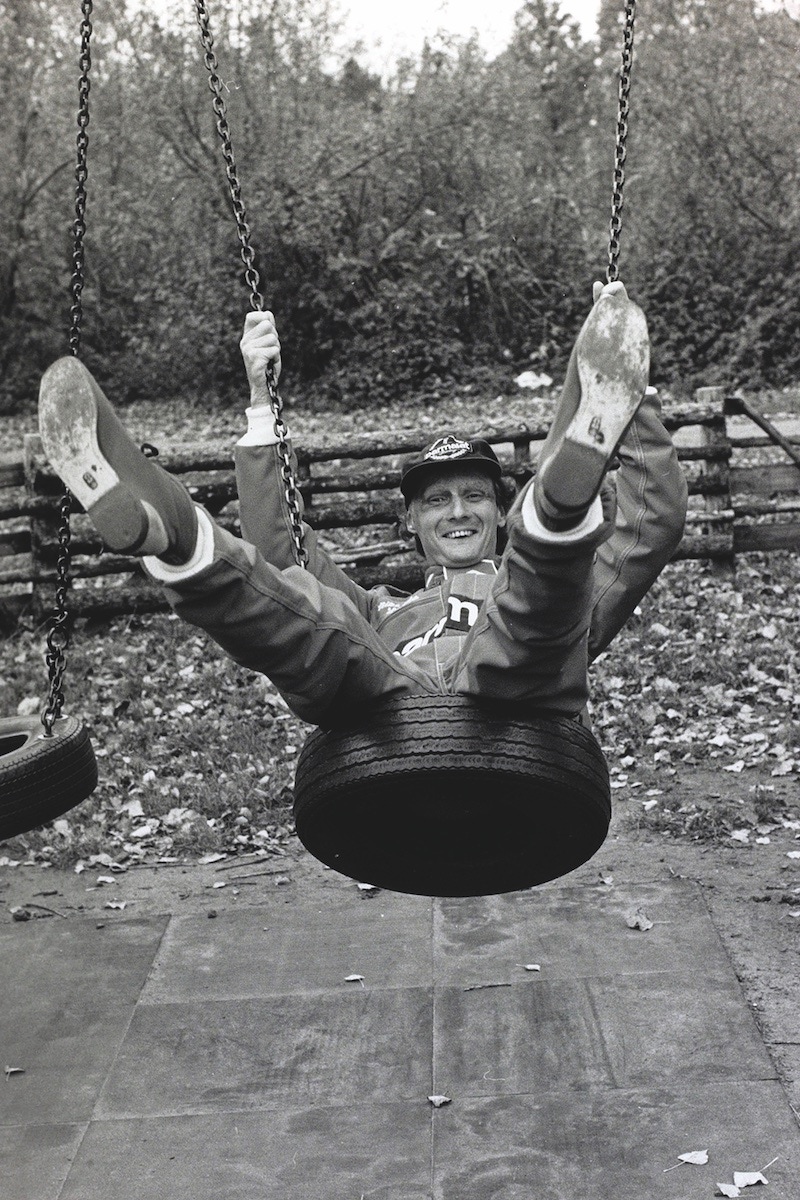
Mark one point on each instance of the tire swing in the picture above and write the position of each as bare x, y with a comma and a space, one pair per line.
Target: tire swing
47, 763
443, 795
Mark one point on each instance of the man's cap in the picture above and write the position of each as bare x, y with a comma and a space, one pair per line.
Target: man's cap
447, 451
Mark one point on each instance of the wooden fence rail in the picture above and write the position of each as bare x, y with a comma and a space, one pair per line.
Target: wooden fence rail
744, 496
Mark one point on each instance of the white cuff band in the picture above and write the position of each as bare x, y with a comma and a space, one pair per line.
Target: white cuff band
260, 427
592, 521
203, 555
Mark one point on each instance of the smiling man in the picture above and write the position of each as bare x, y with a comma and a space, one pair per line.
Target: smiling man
455, 513
515, 602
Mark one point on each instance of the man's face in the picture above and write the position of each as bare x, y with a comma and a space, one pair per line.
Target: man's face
456, 517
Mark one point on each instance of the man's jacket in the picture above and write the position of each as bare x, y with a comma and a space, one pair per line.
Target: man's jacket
430, 625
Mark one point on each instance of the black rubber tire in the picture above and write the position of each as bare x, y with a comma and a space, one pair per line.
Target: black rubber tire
442, 796
42, 777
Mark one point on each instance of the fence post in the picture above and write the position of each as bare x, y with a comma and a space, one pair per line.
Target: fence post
715, 435
43, 524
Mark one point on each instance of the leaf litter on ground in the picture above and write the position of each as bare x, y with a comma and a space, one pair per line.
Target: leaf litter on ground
197, 755
743, 1179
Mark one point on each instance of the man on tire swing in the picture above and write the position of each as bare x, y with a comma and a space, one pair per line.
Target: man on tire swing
522, 626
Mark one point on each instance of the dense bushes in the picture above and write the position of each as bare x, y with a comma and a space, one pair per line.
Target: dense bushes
410, 232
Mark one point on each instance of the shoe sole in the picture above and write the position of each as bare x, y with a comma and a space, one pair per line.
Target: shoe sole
613, 352
69, 416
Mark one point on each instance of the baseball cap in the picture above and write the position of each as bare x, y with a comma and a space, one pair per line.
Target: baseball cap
447, 451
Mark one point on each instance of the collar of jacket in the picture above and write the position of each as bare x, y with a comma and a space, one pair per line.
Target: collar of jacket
435, 575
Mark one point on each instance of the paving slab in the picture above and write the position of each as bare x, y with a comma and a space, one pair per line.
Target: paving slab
611, 1144
337, 1047
605, 1032
577, 933
178, 1056
252, 952
67, 995
317, 1153
35, 1159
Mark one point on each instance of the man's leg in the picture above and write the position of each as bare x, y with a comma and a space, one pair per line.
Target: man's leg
530, 642
322, 655
604, 386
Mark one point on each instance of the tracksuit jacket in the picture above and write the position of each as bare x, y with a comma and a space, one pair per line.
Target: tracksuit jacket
520, 628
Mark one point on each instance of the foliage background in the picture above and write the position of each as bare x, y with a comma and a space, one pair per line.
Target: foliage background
438, 226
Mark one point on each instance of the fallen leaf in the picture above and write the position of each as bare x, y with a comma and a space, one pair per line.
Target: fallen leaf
728, 1189
438, 1101
354, 979
637, 919
534, 966
105, 860
784, 768
533, 380
14, 1071
696, 1157
741, 835
743, 1179
120, 904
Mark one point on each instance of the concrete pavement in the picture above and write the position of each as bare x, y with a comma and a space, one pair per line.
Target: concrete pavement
176, 1056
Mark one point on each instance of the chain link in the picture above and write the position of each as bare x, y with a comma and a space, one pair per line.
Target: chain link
58, 632
291, 490
621, 149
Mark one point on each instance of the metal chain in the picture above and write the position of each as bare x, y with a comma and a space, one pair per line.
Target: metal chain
291, 490
58, 633
621, 150
81, 175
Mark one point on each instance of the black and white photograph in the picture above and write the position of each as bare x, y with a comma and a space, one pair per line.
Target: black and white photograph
400, 600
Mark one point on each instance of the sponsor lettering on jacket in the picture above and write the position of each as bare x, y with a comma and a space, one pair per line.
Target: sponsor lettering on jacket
461, 615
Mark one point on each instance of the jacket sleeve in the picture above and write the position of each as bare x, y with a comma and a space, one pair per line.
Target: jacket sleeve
651, 512
266, 523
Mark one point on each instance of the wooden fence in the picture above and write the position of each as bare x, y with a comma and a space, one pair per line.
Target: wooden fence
744, 486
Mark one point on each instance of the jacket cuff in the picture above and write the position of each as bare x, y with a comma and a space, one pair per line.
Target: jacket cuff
260, 427
202, 557
591, 522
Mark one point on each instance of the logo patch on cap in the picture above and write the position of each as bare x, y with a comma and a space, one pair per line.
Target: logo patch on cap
445, 448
